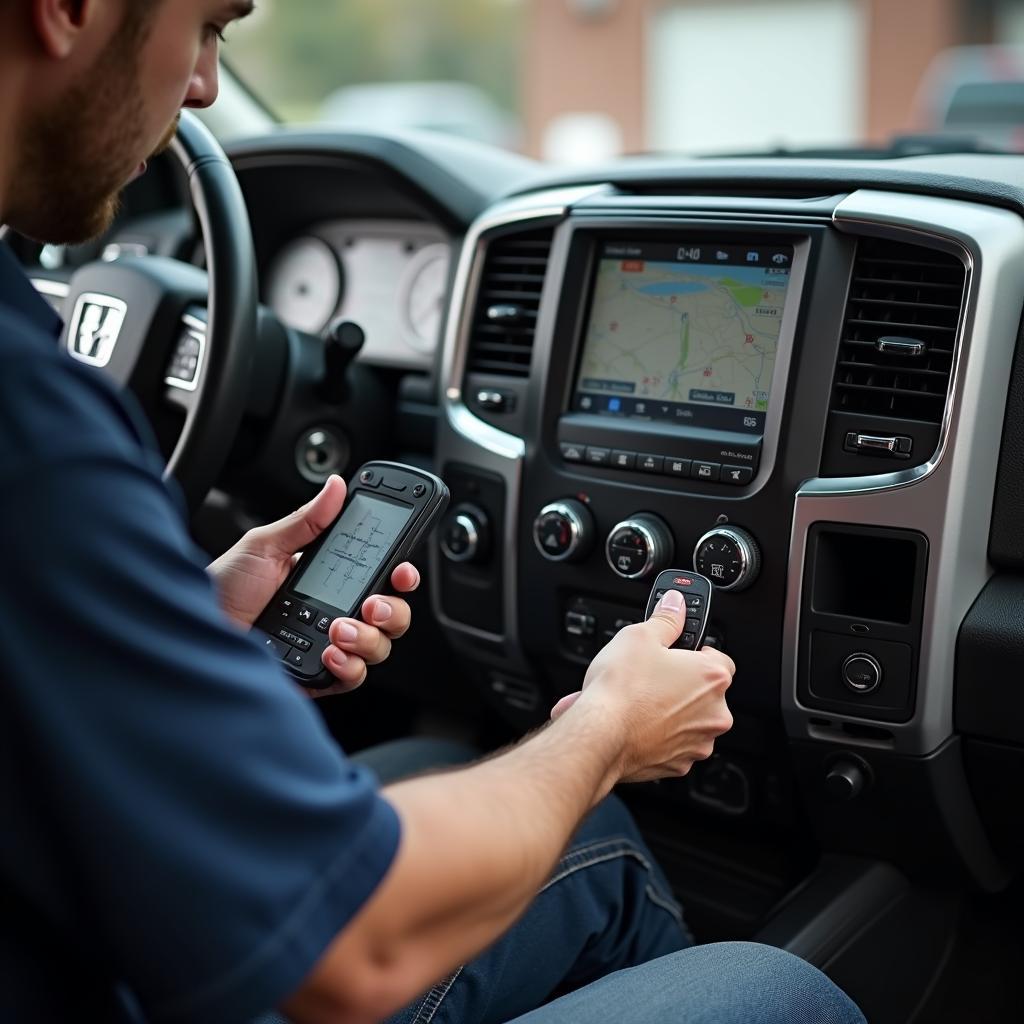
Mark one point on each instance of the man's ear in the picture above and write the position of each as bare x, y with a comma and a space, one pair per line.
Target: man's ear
59, 24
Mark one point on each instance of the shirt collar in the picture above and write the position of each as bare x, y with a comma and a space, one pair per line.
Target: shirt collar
17, 293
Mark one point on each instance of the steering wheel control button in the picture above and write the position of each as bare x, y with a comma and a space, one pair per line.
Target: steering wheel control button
678, 467
573, 452
737, 476
465, 535
729, 557
706, 471
599, 456
650, 463
323, 624
624, 460
639, 546
564, 530
862, 673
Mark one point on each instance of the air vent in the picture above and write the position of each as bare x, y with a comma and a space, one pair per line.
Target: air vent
900, 331
505, 318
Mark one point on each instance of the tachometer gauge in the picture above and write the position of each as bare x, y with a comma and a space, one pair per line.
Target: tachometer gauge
421, 296
304, 284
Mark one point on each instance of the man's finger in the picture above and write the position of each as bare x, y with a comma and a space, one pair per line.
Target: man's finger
720, 656
391, 615
304, 525
668, 618
564, 704
351, 637
406, 578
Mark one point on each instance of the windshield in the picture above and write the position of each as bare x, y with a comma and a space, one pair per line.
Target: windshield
573, 81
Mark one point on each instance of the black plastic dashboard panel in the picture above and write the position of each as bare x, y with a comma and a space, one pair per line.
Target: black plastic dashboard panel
453, 179
989, 700
1006, 539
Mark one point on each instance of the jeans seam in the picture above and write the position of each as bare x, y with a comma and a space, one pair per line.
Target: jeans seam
605, 850
432, 1001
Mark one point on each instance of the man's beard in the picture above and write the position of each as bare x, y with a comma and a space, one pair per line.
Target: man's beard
76, 158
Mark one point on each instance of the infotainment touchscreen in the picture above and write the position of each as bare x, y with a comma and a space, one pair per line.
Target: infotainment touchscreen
684, 333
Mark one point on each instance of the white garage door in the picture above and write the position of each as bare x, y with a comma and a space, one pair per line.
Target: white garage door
752, 74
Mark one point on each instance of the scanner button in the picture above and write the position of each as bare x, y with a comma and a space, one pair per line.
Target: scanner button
299, 642
276, 647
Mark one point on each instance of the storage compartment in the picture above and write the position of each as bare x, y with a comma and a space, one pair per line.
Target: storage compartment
865, 575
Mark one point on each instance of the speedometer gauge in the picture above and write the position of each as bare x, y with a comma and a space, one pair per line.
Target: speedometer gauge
421, 295
304, 284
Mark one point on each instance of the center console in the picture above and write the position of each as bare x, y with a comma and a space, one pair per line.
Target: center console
765, 389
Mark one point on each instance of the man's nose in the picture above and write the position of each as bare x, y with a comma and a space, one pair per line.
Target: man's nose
205, 83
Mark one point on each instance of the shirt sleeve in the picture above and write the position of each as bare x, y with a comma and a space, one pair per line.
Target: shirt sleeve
187, 816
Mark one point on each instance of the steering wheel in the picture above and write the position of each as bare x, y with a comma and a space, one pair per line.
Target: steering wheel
172, 333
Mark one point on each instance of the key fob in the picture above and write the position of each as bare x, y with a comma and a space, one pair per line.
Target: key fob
696, 591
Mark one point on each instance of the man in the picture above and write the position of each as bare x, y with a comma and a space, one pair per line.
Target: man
183, 842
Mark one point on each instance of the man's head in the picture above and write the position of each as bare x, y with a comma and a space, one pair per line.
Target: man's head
89, 89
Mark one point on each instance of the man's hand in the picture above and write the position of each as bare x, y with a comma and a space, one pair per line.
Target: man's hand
671, 702
248, 575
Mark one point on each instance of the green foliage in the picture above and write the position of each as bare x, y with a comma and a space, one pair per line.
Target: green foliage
294, 53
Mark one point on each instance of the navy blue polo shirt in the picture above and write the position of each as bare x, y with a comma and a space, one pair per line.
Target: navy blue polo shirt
182, 839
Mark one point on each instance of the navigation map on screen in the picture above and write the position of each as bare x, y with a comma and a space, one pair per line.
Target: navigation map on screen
684, 333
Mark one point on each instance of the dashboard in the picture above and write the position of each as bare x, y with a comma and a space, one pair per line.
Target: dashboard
800, 377
390, 277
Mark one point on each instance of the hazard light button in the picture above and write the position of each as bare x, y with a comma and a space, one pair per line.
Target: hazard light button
564, 531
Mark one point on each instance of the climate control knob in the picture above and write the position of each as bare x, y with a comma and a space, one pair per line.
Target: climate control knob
639, 546
729, 557
564, 530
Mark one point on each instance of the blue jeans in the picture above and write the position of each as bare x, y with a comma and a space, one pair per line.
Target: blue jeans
604, 941
605, 908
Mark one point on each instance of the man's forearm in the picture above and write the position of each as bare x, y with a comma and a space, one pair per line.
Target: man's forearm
477, 844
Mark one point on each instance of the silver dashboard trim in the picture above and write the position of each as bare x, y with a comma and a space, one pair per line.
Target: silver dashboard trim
465, 437
949, 499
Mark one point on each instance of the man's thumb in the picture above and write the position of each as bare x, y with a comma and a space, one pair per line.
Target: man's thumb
304, 525
668, 617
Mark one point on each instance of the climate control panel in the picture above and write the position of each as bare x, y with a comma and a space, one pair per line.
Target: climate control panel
639, 547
